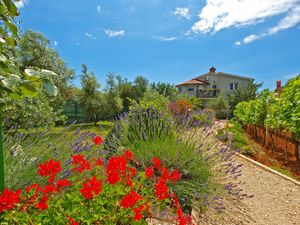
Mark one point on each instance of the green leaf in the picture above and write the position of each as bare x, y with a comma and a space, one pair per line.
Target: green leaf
49, 87
11, 41
28, 90
32, 75
48, 72
13, 28
2, 58
12, 9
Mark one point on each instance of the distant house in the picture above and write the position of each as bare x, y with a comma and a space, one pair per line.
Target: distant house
212, 84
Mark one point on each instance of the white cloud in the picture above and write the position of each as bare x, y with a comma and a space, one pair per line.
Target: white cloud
55, 43
250, 38
237, 43
290, 20
89, 35
220, 14
98, 8
116, 33
182, 12
21, 3
165, 38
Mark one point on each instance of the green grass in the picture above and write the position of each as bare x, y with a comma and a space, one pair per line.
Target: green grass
39, 144
283, 171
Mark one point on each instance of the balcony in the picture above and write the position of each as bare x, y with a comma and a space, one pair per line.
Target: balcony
211, 93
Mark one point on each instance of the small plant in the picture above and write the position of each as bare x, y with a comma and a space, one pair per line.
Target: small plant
247, 150
95, 192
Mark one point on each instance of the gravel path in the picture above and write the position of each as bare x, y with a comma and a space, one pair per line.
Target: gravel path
276, 201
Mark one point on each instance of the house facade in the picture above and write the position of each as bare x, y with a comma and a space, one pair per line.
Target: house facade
213, 84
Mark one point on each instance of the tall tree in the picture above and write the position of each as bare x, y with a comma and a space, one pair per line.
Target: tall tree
35, 51
166, 89
140, 86
90, 99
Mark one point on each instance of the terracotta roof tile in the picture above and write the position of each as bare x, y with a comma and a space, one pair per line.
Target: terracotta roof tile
193, 81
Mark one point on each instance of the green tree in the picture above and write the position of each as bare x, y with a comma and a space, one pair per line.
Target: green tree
126, 92
90, 99
218, 104
140, 86
166, 89
34, 51
13, 83
243, 93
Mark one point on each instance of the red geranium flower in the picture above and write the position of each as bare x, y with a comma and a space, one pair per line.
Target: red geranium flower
131, 199
82, 163
156, 163
42, 204
129, 155
49, 168
98, 140
175, 176
116, 166
149, 172
8, 199
72, 221
138, 213
161, 190
63, 183
91, 188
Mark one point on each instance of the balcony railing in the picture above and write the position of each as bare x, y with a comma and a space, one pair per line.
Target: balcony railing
208, 93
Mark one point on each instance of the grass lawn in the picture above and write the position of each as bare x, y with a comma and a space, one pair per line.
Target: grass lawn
25, 148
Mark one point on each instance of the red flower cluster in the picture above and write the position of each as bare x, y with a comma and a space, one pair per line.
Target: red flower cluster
131, 199
117, 169
149, 172
82, 163
72, 221
49, 168
91, 188
161, 188
8, 199
181, 218
42, 204
97, 140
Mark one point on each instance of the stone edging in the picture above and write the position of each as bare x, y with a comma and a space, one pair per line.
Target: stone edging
268, 169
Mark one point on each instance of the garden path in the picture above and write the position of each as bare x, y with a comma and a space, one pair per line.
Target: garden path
275, 201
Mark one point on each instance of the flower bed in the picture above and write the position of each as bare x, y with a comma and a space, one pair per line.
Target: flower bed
97, 191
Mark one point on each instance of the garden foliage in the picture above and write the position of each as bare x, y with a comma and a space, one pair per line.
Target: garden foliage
95, 191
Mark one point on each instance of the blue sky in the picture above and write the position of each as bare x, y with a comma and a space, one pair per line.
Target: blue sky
172, 40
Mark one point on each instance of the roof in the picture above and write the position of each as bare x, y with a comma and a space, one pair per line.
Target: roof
193, 81
225, 74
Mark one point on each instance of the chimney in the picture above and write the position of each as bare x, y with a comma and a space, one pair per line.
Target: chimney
278, 85
212, 70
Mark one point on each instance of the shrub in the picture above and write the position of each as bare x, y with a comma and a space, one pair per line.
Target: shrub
116, 192
181, 145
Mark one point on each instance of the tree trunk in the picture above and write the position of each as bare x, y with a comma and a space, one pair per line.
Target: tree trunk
2, 185
273, 143
297, 153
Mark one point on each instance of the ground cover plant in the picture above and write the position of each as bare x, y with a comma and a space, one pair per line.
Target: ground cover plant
95, 191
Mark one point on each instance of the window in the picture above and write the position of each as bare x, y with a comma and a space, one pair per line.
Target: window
179, 89
236, 86
214, 86
233, 86
190, 89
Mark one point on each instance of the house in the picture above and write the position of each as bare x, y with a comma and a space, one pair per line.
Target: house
212, 84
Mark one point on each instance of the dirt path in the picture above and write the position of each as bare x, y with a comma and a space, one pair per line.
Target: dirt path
276, 201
